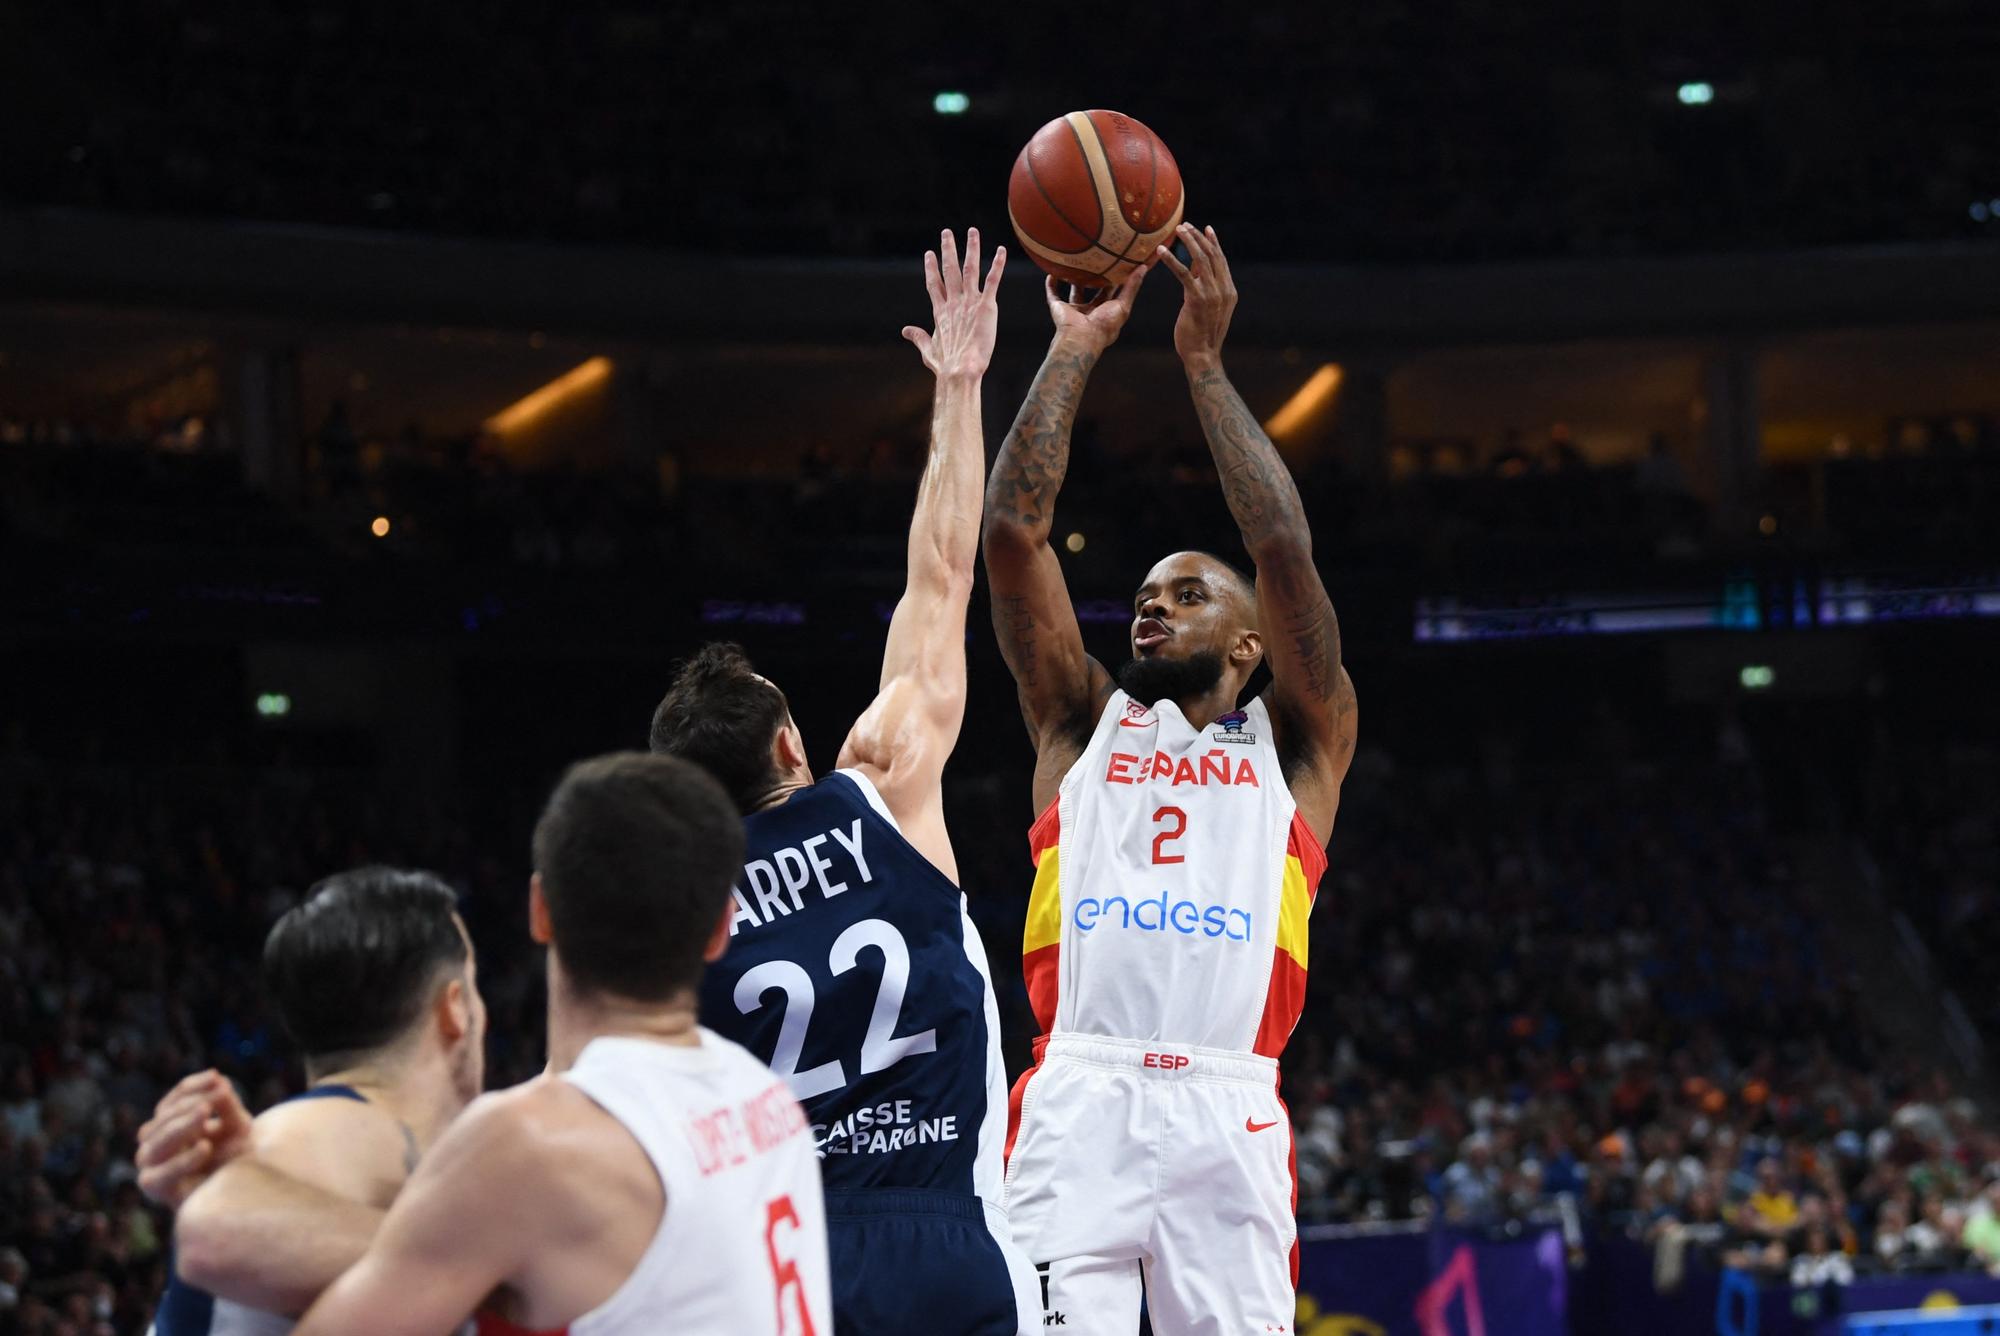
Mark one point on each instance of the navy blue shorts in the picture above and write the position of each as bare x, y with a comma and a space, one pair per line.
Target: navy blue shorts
918, 1262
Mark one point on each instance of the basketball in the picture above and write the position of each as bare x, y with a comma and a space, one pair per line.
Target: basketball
1092, 194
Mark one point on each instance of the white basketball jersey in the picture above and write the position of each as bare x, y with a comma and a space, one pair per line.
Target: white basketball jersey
1174, 882
741, 1250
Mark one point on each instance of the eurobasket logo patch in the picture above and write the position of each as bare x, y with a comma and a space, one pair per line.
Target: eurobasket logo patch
1232, 728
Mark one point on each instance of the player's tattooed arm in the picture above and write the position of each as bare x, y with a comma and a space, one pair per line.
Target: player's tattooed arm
1264, 501
1301, 634
1034, 458
1032, 614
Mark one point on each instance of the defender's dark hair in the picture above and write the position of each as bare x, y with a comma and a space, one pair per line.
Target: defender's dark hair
637, 854
353, 966
719, 714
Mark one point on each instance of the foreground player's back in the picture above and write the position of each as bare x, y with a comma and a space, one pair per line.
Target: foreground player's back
741, 1247
853, 969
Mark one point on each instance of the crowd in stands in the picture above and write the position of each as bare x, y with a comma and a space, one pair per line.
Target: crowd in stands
1526, 505
1609, 994
1598, 994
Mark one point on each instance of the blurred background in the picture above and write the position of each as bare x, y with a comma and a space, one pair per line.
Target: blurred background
388, 398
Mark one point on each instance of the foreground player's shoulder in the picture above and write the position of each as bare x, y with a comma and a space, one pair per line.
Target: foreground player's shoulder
346, 1146
511, 1135
543, 1144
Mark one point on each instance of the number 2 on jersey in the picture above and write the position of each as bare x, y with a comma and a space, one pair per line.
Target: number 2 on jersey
1179, 820
881, 1047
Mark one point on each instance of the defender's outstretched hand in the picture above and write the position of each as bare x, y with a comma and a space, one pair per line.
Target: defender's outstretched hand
964, 315
1210, 297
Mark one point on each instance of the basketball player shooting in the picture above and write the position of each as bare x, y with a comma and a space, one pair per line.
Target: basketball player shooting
1180, 842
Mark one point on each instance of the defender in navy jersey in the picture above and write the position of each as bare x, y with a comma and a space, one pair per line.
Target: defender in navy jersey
852, 968
373, 976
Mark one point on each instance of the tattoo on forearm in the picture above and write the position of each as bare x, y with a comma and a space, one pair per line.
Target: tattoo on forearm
1265, 503
1035, 455
1015, 627
1314, 633
1262, 497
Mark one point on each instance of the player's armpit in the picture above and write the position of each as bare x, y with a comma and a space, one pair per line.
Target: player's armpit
1317, 744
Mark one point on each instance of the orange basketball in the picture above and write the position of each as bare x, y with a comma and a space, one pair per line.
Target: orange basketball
1091, 196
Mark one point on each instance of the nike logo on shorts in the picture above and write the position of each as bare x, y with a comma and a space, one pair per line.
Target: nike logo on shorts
1250, 1126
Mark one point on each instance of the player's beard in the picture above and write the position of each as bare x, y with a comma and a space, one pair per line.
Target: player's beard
1151, 681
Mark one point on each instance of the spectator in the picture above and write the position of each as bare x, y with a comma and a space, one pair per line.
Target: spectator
1818, 1263
1771, 1211
1472, 1184
1892, 1233
1982, 1229
1934, 1238
13, 1275
1673, 1173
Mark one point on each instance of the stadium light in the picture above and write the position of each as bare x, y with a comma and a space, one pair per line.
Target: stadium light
1757, 676
1696, 94
538, 404
951, 103
379, 526
1314, 395
274, 705
1074, 542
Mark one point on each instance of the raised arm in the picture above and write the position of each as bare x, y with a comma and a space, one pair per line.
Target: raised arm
902, 740
1312, 697
1061, 687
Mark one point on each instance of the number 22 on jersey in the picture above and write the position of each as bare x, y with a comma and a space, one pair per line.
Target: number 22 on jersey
881, 1047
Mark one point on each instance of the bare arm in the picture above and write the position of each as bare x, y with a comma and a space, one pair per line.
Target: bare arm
535, 1204
1059, 684
1313, 696
247, 1227
278, 1224
267, 1240
903, 739
455, 1234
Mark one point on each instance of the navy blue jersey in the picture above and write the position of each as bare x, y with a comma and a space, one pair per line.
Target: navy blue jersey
853, 970
187, 1311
